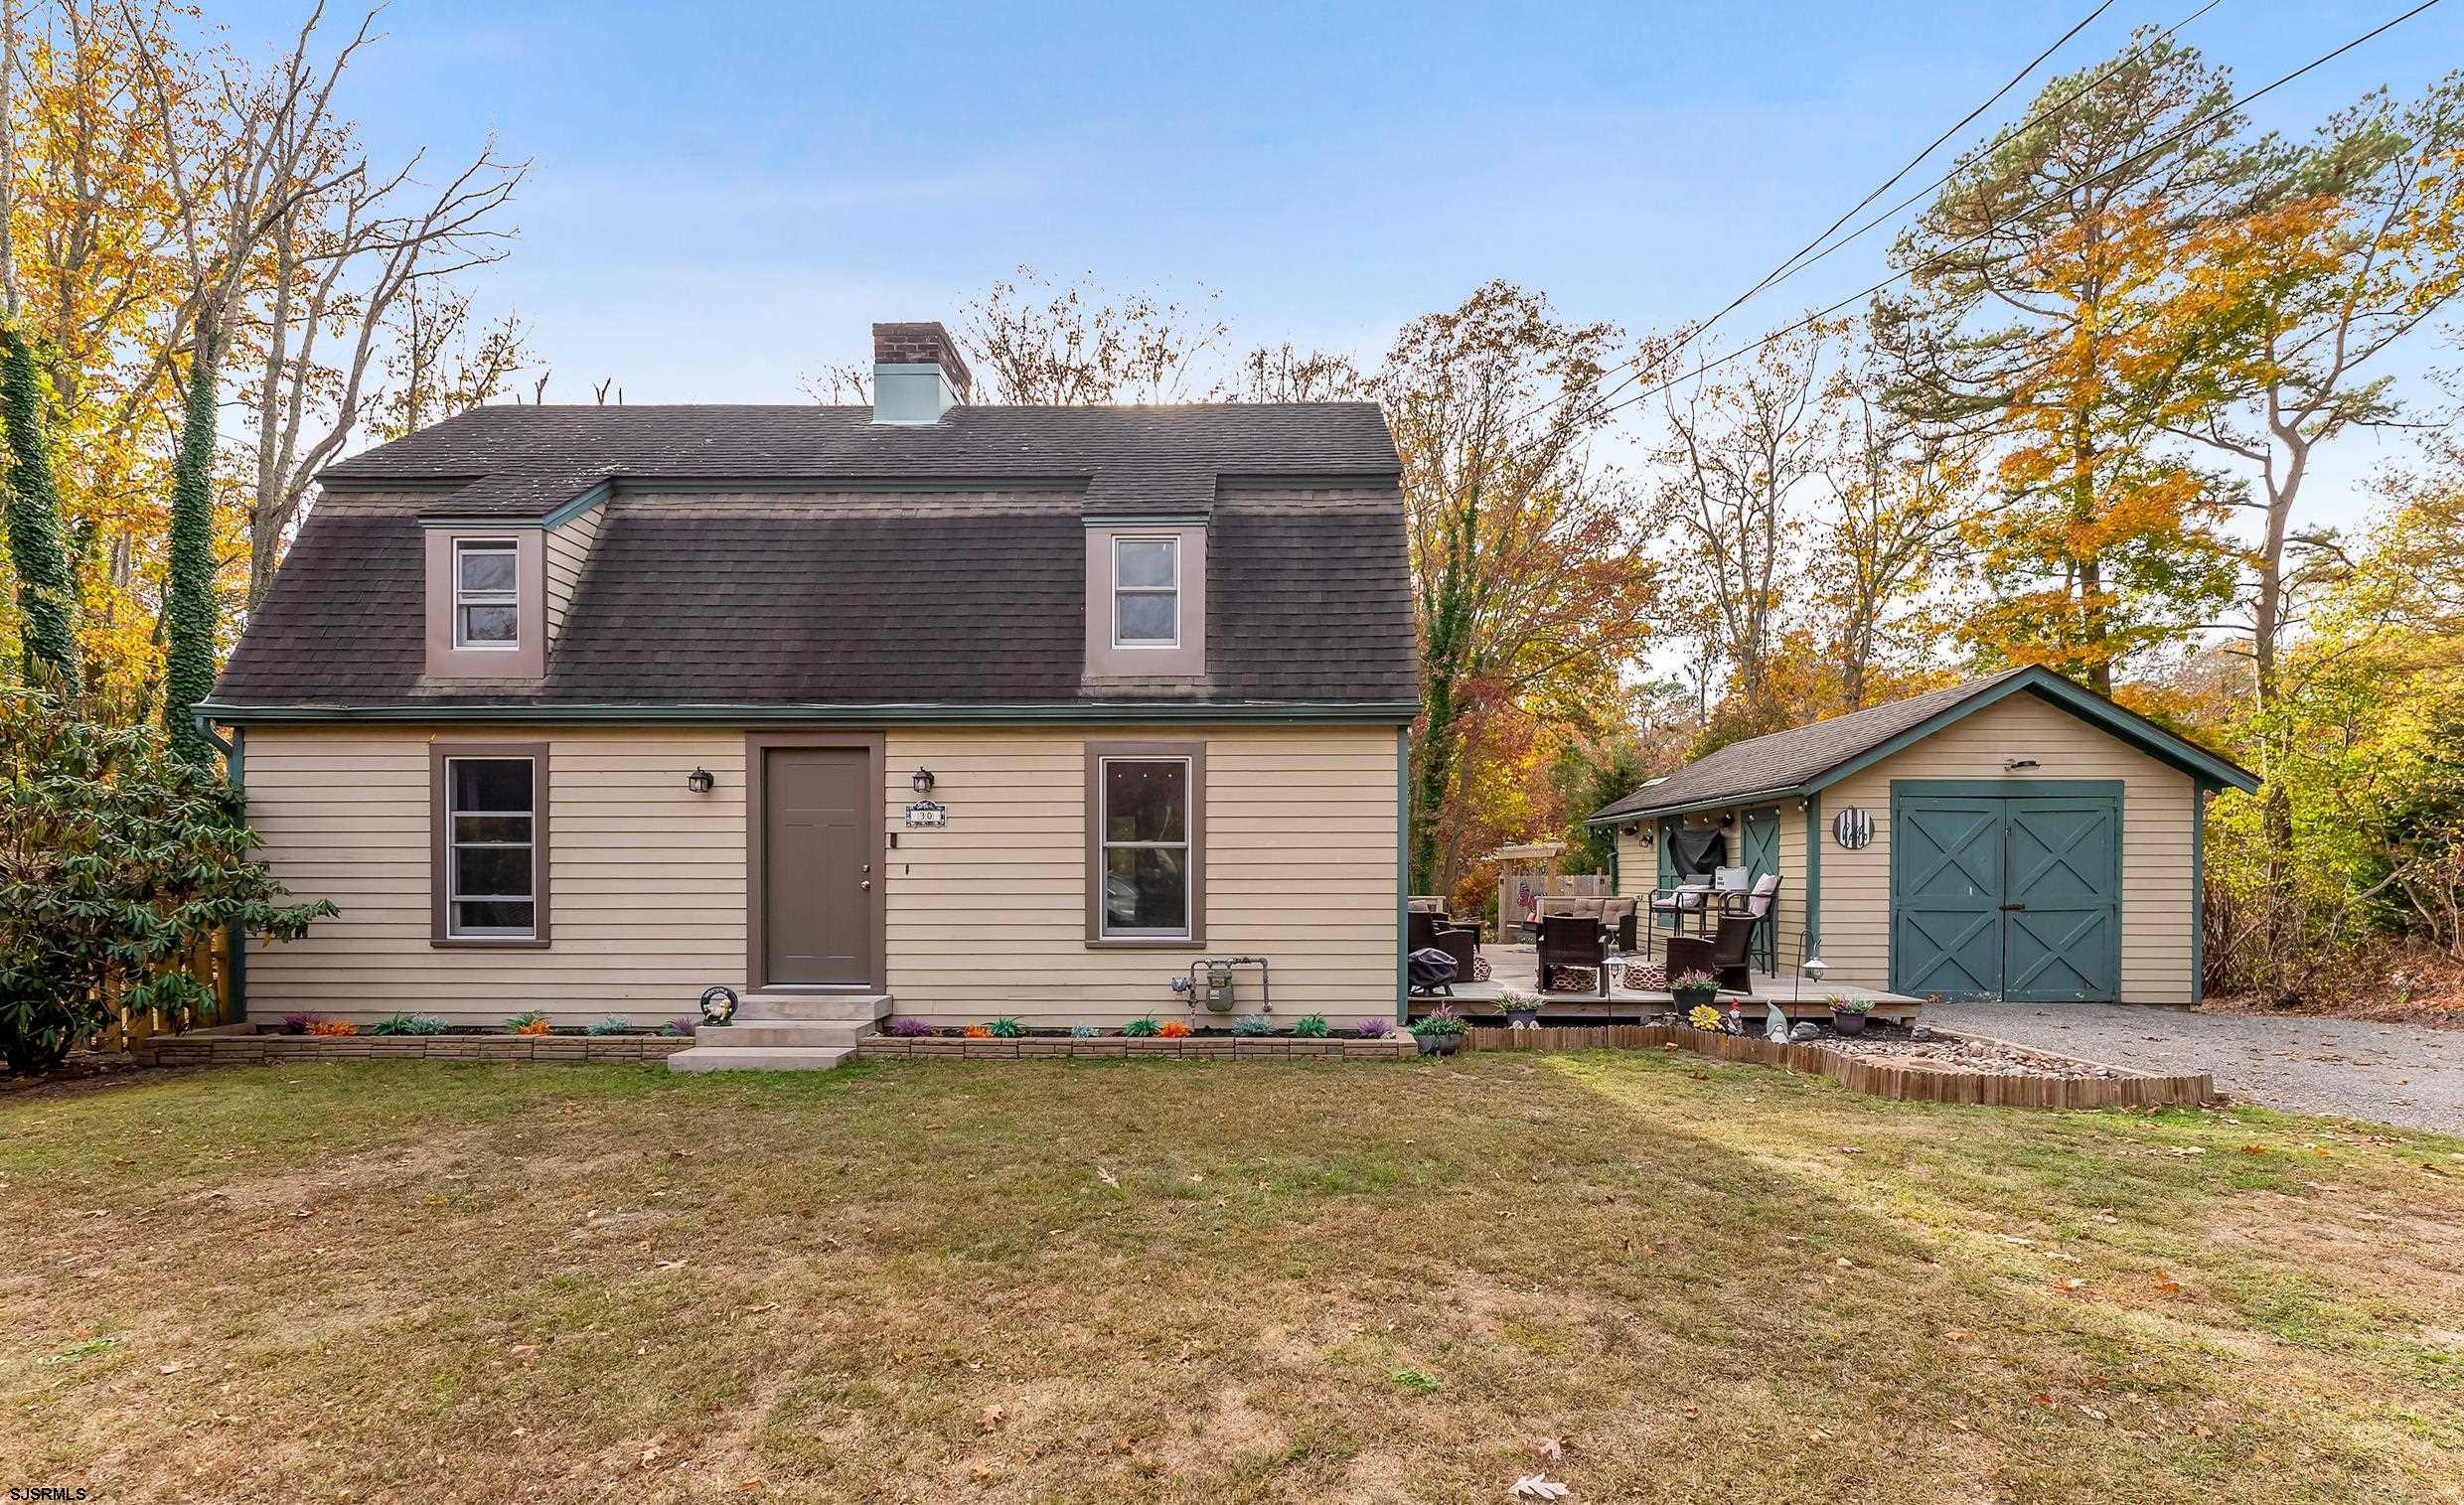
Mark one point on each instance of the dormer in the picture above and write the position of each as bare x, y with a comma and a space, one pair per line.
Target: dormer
487, 600
1146, 598
499, 591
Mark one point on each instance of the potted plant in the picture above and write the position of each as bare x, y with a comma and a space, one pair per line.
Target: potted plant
1440, 1032
1848, 1015
1693, 991
1522, 1010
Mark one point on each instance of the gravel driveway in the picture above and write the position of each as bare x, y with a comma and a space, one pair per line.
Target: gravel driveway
2385, 1073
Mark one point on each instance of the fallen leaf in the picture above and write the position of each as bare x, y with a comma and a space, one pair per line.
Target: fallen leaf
1535, 1487
991, 1418
1106, 1178
1551, 1449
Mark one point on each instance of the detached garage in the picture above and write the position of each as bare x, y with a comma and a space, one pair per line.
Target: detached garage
2014, 837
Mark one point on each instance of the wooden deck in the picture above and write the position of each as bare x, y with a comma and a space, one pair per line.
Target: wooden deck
1517, 968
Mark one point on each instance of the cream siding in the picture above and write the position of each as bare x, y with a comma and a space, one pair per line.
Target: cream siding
646, 877
568, 549
1638, 866
986, 916
2157, 915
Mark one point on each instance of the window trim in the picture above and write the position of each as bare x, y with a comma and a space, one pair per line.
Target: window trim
441, 845
511, 547
1194, 753
1146, 645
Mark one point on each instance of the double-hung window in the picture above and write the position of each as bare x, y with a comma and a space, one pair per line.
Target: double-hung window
492, 849
1145, 591
487, 604
1148, 824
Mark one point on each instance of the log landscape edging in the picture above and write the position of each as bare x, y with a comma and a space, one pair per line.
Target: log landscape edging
1905, 1084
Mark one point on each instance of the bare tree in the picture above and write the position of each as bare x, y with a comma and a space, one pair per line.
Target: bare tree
1286, 374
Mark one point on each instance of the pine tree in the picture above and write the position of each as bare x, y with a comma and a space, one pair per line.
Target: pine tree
189, 608
46, 594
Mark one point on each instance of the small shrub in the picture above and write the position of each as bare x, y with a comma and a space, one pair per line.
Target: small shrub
1374, 1029
1440, 1020
529, 1022
1311, 1028
1174, 1029
907, 1028
297, 1023
1841, 1003
613, 1024
408, 1025
1253, 1025
1007, 1028
1139, 1029
332, 1027
681, 1027
975, 1032
1693, 982
1083, 1031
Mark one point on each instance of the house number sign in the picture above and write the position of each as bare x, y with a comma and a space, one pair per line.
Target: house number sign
928, 813
1852, 828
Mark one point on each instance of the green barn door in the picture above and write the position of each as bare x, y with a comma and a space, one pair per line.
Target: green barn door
1762, 842
1946, 897
2061, 941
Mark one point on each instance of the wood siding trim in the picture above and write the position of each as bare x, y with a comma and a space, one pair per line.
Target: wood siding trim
756, 765
1096, 753
440, 856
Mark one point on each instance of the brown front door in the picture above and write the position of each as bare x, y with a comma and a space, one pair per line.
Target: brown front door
818, 811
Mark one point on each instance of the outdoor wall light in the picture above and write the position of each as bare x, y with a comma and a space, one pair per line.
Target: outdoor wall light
701, 781
923, 781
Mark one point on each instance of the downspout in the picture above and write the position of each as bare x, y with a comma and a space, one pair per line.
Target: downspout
2198, 894
235, 752
1402, 874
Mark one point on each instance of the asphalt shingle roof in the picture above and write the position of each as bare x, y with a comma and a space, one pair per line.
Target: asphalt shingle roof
1786, 759
871, 565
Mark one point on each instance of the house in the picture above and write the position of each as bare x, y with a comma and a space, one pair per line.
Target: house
2014, 837
955, 710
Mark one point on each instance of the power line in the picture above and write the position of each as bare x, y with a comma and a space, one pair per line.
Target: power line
2129, 161
1801, 260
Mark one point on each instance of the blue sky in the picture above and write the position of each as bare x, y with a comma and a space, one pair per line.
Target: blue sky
723, 196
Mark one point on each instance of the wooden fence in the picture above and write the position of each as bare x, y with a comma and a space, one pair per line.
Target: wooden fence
130, 1028
1866, 1074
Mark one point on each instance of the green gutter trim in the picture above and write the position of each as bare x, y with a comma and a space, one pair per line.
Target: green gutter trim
1691, 807
1813, 876
234, 942
2198, 892
2128, 726
1402, 874
1375, 712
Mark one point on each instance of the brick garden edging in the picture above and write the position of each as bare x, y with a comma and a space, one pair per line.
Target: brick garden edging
1905, 1084
214, 1049
1117, 1047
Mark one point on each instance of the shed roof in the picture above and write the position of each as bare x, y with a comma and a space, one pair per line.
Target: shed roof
1808, 758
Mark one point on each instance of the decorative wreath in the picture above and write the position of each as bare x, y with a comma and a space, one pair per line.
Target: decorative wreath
719, 1006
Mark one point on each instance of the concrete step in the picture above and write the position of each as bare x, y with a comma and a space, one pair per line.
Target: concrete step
757, 1034
775, 1058
777, 1005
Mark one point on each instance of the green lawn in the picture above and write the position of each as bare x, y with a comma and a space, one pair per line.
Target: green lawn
1243, 1281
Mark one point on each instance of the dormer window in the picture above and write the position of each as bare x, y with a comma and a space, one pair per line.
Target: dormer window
1145, 591
487, 597
1145, 600
488, 601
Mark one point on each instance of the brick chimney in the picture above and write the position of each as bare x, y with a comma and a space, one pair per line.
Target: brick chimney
917, 374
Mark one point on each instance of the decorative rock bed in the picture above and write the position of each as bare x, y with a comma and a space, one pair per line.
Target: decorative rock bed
1999, 1079
241, 1046
1391, 1047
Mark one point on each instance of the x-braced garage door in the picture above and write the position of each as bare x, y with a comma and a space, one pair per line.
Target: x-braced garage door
2006, 896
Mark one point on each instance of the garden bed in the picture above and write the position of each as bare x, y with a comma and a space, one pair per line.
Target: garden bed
1998, 1079
1211, 1046
243, 1045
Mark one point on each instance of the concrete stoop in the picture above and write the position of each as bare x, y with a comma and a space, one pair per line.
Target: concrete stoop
779, 1030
